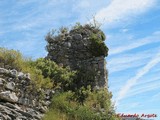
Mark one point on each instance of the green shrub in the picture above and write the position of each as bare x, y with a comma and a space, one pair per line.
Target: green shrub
54, 114
61, 77
91, 110
72, 110
12, 59
97, 37
98, 46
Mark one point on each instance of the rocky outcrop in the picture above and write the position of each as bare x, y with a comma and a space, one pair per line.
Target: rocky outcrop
19, 98
83, 46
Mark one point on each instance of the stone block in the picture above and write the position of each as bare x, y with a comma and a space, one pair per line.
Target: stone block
77, 37
10, 86
8, 96
2, 81
3, 71
13, 73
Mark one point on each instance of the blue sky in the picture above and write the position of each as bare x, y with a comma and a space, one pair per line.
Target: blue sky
132, 28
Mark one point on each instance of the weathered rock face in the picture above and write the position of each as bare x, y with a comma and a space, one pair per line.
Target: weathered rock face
19, 99
76, 50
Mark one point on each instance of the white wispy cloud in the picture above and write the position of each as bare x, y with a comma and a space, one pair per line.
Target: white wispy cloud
131, 82
122, 60
134, 43
128, 60
28, 23
27, 47
120, 10
29, 15
143, 89
148, 83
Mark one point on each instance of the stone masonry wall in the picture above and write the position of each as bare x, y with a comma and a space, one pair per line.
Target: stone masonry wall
19, 99
73, 49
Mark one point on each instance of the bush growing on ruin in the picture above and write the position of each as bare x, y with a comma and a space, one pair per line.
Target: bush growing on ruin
60, 77
96, 37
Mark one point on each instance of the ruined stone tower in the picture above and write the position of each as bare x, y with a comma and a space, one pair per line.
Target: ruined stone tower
81, 47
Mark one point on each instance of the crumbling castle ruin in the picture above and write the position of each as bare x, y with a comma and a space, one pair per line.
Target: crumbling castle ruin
83, 46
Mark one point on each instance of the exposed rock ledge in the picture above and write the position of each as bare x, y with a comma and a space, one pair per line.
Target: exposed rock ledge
19, 100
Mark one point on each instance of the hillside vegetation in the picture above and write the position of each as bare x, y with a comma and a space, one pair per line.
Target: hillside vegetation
71, 101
